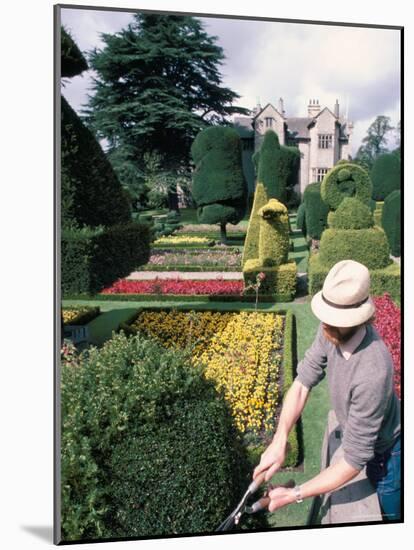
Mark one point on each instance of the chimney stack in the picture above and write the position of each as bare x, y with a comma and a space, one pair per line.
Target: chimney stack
313, 108
281, 107
336, 109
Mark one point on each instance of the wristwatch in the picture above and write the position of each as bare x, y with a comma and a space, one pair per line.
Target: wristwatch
298, 494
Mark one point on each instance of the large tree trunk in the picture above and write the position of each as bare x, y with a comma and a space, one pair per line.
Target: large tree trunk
223, 234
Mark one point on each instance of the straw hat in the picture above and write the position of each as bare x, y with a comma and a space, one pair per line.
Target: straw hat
344, 300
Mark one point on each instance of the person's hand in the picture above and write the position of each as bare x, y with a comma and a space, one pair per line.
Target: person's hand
272, 459
279, 497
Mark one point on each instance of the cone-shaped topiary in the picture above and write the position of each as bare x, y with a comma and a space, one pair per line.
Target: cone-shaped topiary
251, 243
391, 221
274, 234
385, 176
73, 62
316, 210
346, 180
352, 214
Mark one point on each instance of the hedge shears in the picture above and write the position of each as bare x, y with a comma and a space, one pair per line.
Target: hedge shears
261, 504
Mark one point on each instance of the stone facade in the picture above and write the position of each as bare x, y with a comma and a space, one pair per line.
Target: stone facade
323, 137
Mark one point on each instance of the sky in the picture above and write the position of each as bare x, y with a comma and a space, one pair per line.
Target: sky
266, 60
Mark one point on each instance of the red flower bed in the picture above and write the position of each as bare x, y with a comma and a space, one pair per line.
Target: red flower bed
388, 325
175, 286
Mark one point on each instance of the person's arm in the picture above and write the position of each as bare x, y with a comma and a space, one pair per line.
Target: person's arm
274, 456
326, 481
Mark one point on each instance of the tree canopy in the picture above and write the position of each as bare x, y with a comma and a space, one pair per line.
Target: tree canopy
157, 85
374, 143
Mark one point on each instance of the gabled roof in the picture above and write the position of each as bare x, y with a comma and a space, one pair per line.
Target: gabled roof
264, 108
325, 109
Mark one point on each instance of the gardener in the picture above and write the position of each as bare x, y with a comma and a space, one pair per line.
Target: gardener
360, 381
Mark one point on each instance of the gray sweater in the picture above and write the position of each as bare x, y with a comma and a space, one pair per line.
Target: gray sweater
361, 391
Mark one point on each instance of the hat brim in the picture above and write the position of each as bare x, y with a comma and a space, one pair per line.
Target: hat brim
337, 317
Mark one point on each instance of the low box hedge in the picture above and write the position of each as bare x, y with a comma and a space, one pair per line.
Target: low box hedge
387, 279
280, 280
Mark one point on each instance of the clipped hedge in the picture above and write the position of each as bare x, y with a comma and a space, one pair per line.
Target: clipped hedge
391, 221
346, 180
268, 171
94, 259
316, 210
274, 233
367, 246
148, 446
251, 243
387, 279
351, 214
280, 280
385, 176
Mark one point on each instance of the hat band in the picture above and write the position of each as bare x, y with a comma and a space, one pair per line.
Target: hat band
340, 306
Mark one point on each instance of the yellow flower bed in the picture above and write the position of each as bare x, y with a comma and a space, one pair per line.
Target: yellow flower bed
69, 315
176, 239
241, 352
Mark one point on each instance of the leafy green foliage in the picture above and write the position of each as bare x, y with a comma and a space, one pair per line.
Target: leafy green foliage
219, 187
157, 84
367, 246
279, 283
274, 233
98, 198
346, 180
301, 219
251, 243
352, 214
72, 59
316, 210
375, 142
269, 160
391, 221
93, 259
385, 176
148, 446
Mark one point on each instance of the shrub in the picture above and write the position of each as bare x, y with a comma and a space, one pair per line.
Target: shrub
269, 160
385, 175
391, 221
301, 219
251, 243
144, 438
316, 210
280, 280
346, 180
94, 259
99, 198
219, 187
73, 62
352, 214
274, 233
367, 246
387, 279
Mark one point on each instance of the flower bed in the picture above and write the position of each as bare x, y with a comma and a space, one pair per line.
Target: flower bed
176, 287
185, 240
388, 324
205, 228
242, 353
79, 316
211, 259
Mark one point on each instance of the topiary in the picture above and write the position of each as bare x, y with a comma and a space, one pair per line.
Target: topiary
391, 221
316, 210
148, 446
351, 214
269, 161
251, 242
385, 175
73, 62
274, 234
346, 180
301, 219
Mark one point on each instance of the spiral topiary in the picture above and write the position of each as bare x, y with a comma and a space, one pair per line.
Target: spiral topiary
346, 180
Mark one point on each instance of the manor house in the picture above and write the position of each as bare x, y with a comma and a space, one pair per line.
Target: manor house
323, 137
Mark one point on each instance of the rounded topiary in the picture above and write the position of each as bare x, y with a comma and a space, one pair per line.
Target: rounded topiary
316, 210
391, 221
351, 214
148, 445
301, 219
346, 180
385, 176
367, 246
274, 234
